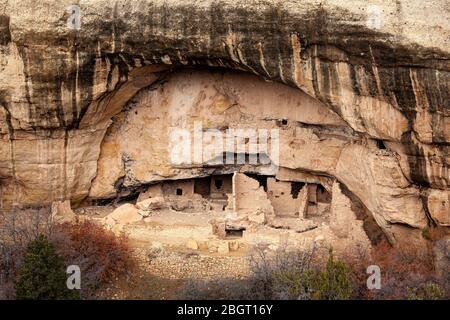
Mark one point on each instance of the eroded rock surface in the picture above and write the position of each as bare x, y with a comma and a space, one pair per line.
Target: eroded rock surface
359, 100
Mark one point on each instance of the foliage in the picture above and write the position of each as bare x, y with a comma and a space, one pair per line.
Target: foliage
279, 274
101, 256
430, 291
17, 229
332, 283
42, 275
283, 274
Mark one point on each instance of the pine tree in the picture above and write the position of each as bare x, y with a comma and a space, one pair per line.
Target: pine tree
333, 283
42, 275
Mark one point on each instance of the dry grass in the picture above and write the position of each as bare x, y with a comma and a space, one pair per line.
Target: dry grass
102, 256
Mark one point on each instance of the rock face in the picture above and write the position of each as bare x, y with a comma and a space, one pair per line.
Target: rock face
359, 94
344, 222
62, 212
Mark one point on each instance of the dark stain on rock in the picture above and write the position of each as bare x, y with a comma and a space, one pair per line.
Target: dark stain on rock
5, 33
26, 71
397, 88
416, 159
73, 88
198, 35
436, 87
4, 103
370, 226
354, 80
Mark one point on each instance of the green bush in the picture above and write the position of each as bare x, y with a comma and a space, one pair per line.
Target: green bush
292, 284
332, 283
42, 275
430, 291
300, 281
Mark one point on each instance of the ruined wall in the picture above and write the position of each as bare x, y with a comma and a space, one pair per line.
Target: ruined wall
281, 197
221, 186
178, 188
251, 199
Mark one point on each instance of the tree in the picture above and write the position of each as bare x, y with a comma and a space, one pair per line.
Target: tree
333, 283
42, 275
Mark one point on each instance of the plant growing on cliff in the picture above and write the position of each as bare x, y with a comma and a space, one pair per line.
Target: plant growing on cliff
42, 275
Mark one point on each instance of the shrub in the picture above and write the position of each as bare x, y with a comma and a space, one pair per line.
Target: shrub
291, 284
42, 275
403, 267
332, 283
17, 229
283, 274
404, 271
100, 254
278, 275
430, 291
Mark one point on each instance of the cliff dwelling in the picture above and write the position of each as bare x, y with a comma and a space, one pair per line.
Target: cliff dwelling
287, 175
215, 127
237, 191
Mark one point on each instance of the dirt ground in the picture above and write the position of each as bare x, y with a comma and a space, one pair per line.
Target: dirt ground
174, 248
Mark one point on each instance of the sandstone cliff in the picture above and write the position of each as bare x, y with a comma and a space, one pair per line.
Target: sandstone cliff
367, 102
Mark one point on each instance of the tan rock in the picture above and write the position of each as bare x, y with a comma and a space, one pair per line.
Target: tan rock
123, 215
343, 220
90, 124
233, 245
213, 246
62, 212
192, 244
218, 227
303, 203
258, 216
152, 192
438, 202
151, 204
223, 248
377, 180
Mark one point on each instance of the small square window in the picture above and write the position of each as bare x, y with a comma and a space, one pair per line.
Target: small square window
218, 184
179, 192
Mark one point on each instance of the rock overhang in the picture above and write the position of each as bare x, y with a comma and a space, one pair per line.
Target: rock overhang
389, 83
